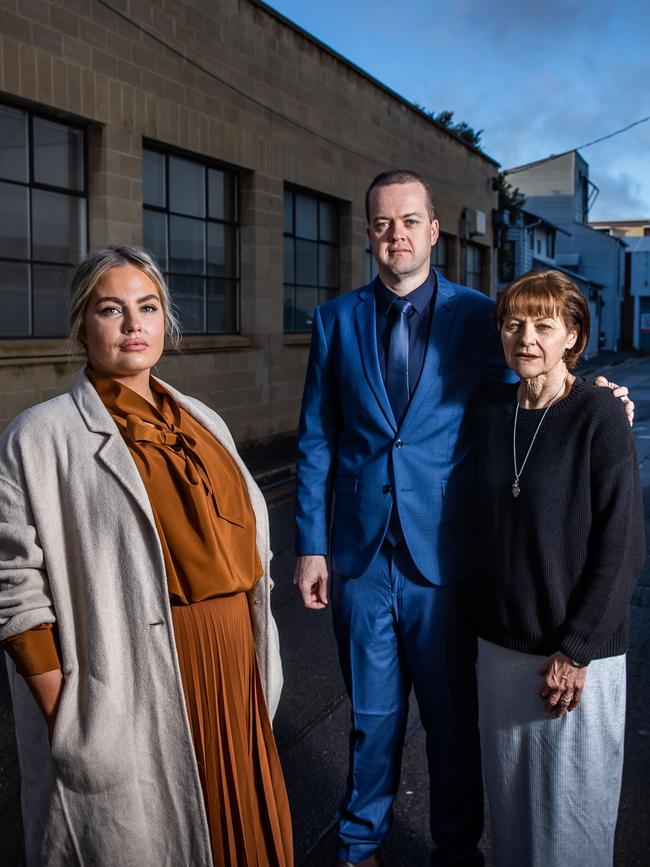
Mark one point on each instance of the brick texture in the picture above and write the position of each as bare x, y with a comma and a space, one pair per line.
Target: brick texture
225, 80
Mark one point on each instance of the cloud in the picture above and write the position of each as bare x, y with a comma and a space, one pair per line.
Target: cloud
514, 18
537, 78
621, 198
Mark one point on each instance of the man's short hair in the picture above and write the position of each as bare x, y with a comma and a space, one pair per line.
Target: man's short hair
400, 176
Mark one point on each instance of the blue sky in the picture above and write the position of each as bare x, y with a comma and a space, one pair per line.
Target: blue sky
538, 77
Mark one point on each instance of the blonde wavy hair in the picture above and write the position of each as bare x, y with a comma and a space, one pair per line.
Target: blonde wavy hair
92, 269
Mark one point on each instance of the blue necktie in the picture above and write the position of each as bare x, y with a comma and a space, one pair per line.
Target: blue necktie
397, 366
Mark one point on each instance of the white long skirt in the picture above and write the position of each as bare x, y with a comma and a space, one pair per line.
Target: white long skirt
553, 784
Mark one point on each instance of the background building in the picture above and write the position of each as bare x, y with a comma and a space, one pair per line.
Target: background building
559, 190
529, 242
238, 149
635, 309
622, 228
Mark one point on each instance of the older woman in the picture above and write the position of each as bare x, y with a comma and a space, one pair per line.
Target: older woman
561, 546
134, 603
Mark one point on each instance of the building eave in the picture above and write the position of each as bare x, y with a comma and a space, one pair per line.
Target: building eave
349, 64
548, 159
576, 276
545, 222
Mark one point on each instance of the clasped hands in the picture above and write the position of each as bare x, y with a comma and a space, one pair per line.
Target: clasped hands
563, 684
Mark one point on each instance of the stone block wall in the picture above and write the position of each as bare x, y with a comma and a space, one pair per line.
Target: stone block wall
231, 81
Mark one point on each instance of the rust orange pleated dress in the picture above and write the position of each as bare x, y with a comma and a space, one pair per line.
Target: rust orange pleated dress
207, 531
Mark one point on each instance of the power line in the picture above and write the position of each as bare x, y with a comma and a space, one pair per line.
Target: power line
612, 134
526, 166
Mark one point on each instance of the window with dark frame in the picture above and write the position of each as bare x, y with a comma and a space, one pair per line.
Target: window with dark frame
441, 255
371, 265
506, 261
43, 222
191, 226
473, 267
550, 245
311, 257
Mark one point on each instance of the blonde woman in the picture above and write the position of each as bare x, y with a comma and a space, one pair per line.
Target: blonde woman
134, 604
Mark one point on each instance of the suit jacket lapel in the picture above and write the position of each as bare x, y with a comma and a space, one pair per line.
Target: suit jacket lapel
443, 316
366, 327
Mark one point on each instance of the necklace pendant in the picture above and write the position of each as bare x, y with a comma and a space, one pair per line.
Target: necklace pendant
516, 490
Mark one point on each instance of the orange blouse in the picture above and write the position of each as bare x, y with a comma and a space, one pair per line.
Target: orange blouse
198, 497
199, 501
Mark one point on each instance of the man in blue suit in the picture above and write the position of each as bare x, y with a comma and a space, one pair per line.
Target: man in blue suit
392, 369
384, 490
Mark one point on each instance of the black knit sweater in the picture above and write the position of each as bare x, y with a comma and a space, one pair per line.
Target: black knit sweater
558, 564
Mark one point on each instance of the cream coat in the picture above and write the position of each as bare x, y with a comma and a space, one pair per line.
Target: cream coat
78, 545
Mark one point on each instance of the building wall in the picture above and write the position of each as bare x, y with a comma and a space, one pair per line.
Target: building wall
556, 189
561, 182
602, 261
231, 81
531, 240
639, 268
623, 228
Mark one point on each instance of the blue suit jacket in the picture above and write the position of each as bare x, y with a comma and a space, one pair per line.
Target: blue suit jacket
349, 444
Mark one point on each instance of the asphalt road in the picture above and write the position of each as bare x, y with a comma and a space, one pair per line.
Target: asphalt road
312, 722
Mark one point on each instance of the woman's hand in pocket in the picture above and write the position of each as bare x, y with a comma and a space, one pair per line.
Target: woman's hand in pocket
46, 689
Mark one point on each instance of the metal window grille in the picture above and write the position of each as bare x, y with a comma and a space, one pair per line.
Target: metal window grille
43, 220
191, 226
311, 257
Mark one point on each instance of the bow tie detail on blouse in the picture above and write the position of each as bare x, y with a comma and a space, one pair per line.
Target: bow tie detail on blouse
198, 496
170, 437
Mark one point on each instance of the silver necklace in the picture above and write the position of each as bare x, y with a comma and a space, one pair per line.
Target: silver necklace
516, 490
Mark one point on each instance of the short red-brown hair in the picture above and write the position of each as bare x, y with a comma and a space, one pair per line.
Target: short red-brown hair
548, 293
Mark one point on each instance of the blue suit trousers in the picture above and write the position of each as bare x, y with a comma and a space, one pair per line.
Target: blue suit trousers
396, 631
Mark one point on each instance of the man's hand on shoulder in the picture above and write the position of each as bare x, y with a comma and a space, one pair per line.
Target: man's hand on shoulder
619, 391
312, 580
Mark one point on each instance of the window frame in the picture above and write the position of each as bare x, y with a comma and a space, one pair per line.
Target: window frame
30, 184
372, 269
448, 246
550, 245
318, 198
207, 163
506, 258
470, 249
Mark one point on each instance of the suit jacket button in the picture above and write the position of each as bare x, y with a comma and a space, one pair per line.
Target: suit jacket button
399, 444
387, 489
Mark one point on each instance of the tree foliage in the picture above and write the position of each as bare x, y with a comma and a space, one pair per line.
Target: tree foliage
461, 129
511, 199
511, 202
